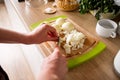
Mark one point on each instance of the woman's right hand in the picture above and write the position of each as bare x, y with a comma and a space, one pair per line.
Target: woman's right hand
54, 67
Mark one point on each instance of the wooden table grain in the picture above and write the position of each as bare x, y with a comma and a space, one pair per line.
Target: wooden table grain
98, 68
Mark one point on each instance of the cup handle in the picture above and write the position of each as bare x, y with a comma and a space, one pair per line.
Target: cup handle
113, 35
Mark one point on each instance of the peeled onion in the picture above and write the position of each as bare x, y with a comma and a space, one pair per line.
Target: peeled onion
59, 21
57, 27
67, 26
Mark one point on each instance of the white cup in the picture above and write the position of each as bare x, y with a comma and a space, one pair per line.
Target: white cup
117, 2
118, 29
106, 28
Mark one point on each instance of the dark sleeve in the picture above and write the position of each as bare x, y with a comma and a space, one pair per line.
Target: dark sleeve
3, 75
20, 0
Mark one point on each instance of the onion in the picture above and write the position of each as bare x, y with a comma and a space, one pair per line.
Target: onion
59, 21
57, 27
67, 26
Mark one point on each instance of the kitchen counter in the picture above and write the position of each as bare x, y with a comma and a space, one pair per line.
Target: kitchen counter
98, 68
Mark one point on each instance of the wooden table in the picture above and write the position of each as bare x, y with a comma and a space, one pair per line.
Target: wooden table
98, 68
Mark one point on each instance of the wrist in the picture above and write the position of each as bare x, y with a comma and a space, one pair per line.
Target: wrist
28, 39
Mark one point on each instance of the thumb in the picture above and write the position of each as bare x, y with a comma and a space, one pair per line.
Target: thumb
56, 52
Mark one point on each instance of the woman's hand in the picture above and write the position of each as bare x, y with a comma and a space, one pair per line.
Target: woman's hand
54, 67
43, 33
40, 34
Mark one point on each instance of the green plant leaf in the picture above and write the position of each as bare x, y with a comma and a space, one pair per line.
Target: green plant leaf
103, 6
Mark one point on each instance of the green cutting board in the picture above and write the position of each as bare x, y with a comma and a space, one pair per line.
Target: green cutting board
75, 61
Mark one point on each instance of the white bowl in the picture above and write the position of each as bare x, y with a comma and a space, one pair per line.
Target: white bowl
117, 2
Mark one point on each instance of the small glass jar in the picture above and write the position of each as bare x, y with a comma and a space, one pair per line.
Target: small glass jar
67, 5
34, 3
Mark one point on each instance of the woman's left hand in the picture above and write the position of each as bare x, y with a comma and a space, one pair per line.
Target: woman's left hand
43, 33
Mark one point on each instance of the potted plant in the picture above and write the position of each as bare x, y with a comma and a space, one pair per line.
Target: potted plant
99, 7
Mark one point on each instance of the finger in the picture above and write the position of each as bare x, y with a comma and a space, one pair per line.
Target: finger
56, 52
65, 66
52, 34
53, 31
52, 39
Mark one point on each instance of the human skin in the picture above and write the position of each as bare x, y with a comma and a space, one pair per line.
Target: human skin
40, 34
54, 66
